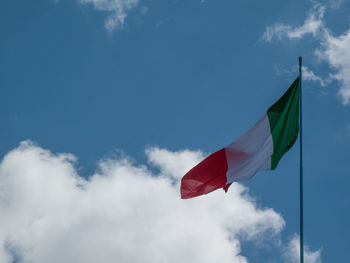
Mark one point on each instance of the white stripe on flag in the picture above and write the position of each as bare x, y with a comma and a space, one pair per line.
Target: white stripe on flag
255, 147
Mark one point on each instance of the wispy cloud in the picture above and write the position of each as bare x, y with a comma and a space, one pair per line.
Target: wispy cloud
335, 4
312, 25
335, 50
307, 74
122, 213
292, 252
348, 130
144, 10
116, 10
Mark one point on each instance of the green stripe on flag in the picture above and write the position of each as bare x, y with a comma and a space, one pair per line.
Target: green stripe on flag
284, 122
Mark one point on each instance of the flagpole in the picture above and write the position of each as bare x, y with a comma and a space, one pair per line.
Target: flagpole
301, 172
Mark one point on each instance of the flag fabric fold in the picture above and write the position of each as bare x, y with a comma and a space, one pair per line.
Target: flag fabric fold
259, 148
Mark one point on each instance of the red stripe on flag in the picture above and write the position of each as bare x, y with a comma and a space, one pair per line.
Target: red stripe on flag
205, 177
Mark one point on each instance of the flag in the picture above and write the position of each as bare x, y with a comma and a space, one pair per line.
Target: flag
259, 148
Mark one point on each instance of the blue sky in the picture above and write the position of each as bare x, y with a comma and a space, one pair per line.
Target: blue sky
107, 79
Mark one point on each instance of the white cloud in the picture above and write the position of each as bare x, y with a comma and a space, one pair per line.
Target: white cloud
122, 213
312, 25
335, 50
309, 75
292, 252
116, 9
174, 164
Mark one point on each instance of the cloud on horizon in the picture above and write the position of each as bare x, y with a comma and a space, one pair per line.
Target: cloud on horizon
334, 50
122, 213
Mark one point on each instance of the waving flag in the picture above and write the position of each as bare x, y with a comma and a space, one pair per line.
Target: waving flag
260, 148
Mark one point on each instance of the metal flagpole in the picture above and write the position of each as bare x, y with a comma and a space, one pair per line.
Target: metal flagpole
301, 171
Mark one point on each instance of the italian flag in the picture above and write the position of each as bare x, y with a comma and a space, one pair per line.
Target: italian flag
259, 148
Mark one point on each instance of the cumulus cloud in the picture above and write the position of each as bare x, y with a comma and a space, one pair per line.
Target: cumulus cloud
292, 252
117, 10
334, 50
122, 213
